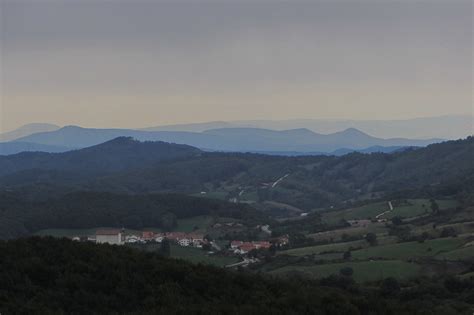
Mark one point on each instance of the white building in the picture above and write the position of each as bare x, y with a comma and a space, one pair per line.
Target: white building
113, 237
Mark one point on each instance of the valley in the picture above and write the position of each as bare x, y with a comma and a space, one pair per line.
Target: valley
359, 218
236, 157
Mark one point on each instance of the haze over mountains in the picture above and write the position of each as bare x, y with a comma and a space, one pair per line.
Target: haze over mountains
290, 137
227, 139
445, 127
27, 130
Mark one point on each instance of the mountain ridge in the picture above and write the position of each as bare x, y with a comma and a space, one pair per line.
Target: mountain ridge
115, 155
27, 130
455, 126
228, 139
313, 181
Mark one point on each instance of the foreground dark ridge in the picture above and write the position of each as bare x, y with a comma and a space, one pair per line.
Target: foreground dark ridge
46, 275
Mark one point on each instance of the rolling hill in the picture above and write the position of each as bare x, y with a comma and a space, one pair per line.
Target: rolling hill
307, 182
78, 210
116, 155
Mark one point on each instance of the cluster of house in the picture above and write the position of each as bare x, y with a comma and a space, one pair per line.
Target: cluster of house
240, 247
116, 237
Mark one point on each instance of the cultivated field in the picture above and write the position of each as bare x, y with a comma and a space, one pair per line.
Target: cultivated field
336, 247
415, 207
409, 249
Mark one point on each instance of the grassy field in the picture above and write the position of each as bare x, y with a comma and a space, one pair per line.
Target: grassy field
363, 271
339, 247
418, 207
469, 275
191, 254
463, 253
250, 196
222, 195
409, 249
364, 212
197, 255
336, 235
415, 208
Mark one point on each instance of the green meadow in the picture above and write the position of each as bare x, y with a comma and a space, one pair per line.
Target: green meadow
409, 249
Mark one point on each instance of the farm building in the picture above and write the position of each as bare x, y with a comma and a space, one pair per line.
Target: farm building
113, 237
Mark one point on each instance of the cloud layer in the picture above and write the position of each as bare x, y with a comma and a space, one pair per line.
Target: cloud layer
140, 63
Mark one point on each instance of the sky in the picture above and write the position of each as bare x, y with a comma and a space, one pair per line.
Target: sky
145, 63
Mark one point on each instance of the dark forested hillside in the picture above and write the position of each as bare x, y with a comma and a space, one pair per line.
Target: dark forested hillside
306, 182
92, 209
112, 156
46, 276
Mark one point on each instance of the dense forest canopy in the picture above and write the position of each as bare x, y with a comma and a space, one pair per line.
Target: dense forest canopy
94, 209
60, 276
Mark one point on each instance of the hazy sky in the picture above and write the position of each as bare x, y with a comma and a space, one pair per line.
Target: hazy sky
144, 63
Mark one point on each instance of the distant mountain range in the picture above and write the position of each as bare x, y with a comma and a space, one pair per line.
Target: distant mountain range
285, 137
7, 148
445, 127
301, 141
27, 130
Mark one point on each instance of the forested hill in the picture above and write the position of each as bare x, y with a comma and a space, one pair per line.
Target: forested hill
58, 276
306, 182
78, 210
311, 181
116, 155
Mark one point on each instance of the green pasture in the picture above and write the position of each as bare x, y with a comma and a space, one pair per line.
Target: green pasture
463, 253
409, 249
336, 247
415, 207
197, 255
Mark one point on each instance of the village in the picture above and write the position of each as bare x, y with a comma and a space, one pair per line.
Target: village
183, 239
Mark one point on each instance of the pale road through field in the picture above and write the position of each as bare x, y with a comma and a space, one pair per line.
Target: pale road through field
279, 180
390, 206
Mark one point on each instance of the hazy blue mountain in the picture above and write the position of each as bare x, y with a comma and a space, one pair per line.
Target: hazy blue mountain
84, 137
7, 148
27, 130
228, 139
304, 140
196, 127
446, 127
